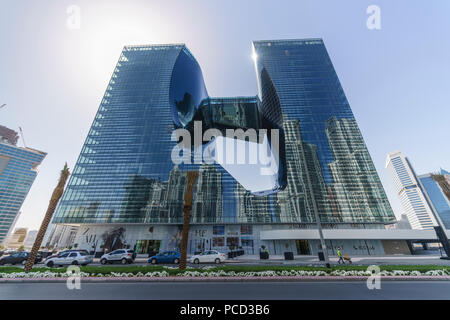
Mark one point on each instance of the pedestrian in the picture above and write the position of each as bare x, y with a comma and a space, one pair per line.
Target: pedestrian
340, 256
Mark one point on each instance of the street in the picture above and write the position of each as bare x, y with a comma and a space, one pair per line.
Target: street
252, 260
346, 290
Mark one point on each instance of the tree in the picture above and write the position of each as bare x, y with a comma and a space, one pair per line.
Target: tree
57, 193
21, 248
191, 177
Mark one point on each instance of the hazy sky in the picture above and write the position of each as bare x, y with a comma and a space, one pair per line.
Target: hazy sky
396, 79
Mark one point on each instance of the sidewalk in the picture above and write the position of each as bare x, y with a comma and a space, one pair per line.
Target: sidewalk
313, 260
358, 260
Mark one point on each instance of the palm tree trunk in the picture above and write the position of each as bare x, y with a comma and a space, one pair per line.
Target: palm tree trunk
190, 178
57, 193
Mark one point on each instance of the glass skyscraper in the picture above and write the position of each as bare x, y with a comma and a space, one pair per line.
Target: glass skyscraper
124, 174
437, 187
18, 169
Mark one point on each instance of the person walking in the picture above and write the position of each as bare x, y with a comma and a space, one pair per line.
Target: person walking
340, 256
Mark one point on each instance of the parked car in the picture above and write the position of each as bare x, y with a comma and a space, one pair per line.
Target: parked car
18, 258
69, 258
120, 255
67, 251
133, 254
208, 256
165, 257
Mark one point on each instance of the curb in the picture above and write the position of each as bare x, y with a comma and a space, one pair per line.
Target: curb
225, 279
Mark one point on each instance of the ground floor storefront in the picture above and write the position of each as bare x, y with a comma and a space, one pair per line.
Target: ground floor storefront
278, 239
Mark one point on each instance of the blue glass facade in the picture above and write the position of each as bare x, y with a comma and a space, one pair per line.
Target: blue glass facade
18, 169
434, 186
124, 173
344, 181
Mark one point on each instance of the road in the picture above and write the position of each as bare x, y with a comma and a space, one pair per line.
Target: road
310, 261
228, 290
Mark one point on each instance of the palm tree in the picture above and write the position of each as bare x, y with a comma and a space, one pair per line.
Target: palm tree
191, 177
57, 193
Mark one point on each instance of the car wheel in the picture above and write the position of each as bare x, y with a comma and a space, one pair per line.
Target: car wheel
50, 264
153, 261
103, 261
75, 263
124, 261
176, 261
217, 261
196, 261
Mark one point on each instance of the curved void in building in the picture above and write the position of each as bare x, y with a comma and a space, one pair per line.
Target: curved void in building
187, 89
190, 102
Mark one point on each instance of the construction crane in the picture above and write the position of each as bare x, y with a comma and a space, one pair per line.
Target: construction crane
23, 139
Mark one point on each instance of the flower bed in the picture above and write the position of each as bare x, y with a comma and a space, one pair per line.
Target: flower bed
212, 272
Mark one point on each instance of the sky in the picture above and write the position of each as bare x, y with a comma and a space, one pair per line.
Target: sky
53, 76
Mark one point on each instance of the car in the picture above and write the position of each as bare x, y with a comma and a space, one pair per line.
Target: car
66, 251
69, 258
18, 258
211, 256
120, 255
165, 257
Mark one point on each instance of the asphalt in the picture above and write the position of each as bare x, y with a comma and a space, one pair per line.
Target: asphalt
304, 290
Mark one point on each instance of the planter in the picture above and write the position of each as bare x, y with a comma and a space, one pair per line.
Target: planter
288, 255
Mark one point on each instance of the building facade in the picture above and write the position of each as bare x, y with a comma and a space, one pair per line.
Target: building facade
411, 196
18, 170
436, 187
17, 239
29, 240
125, 189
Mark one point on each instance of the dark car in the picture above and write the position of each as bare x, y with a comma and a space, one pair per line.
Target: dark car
18, 258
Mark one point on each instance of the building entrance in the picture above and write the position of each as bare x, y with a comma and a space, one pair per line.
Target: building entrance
150, 247
303, 247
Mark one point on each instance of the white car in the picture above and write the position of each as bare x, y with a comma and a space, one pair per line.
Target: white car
120, 255
211, 256
67, 258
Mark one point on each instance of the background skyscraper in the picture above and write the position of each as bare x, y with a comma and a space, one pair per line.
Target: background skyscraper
18, 169
436, 187
408, 189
